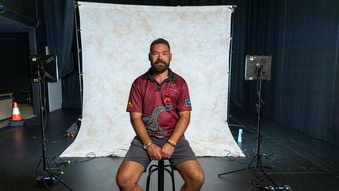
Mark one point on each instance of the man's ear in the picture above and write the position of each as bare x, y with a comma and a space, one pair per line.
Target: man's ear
149, 57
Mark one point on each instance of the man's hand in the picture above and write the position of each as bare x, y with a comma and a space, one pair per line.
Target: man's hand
167, 150
154, 152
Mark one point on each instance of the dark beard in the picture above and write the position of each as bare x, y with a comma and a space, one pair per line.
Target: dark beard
159, 66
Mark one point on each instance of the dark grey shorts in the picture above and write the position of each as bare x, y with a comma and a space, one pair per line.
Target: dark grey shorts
182, 152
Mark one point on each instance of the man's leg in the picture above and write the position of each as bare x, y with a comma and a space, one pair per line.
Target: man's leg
185, 161
193, 175
134, 164
128, 176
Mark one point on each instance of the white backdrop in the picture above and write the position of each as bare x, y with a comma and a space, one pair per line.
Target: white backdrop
115, 45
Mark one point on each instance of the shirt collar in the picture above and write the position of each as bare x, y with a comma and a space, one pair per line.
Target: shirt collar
171, 75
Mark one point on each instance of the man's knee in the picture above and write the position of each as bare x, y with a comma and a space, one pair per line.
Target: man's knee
192, 173
197, 178
122, 179
128, 175
200, 177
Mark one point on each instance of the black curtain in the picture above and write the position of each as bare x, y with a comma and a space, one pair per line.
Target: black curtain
302, 37
60, 30
59, 19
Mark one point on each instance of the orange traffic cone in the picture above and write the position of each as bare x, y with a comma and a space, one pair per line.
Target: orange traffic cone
16, 117
16, 112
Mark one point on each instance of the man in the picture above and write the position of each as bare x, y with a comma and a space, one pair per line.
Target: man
160, 108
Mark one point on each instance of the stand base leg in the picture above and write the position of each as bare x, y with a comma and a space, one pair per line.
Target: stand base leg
51, 177
258, 166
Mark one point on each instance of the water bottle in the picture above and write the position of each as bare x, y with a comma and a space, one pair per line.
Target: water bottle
240, 136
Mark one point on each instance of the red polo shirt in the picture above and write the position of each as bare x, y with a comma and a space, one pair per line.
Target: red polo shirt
159, 103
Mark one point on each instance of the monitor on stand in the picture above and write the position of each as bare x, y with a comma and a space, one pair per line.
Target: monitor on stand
258, 66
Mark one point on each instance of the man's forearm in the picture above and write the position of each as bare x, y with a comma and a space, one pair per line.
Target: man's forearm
139, 128
180, 127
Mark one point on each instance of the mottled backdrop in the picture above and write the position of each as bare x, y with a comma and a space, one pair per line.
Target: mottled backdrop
115, 45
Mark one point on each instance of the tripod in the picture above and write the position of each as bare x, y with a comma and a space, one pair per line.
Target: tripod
51, 178
257, 157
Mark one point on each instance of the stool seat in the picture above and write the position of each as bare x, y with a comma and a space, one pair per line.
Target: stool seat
161, 168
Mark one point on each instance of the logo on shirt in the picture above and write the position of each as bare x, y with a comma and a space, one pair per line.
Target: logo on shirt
167, 102
172, 86
188, 102
130, 103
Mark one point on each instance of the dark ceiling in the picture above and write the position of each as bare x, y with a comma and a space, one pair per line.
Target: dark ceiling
16, 15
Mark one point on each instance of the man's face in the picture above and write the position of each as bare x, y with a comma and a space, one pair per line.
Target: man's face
160, 57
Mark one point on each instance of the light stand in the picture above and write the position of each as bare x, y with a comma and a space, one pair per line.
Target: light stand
39, 76
257, 68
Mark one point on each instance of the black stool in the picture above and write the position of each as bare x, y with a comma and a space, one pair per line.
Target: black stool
161, 168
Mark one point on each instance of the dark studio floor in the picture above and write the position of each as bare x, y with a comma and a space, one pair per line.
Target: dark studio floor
303, 163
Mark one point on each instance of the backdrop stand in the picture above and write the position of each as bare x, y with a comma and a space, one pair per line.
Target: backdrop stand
73, 130
257, 68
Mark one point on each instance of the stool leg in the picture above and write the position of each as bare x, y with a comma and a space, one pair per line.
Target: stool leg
161, 168
161, 175
172, 176
147, 183
150, 172
170, 171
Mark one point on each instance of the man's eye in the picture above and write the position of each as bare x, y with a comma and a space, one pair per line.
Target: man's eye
159, 53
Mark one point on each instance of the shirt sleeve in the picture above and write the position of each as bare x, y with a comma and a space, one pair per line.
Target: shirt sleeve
134, 100
184, 101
